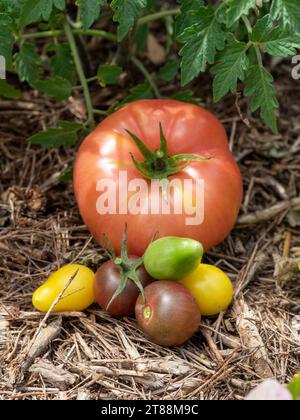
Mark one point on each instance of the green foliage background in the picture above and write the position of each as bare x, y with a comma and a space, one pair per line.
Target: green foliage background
232, 39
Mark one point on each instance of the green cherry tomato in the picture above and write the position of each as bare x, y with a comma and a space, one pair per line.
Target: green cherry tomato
172, 258
211, 288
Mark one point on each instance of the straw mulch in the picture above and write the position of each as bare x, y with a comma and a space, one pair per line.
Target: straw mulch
91, 355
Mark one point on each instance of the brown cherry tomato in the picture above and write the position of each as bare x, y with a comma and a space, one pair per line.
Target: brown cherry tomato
169, 315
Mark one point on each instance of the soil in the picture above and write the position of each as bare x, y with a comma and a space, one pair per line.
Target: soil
91, 355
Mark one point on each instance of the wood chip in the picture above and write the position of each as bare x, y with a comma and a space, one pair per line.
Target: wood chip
251, 339
53, 375
22, 363
268, 213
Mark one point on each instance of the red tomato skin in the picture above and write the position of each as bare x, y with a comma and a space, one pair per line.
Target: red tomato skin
188, 129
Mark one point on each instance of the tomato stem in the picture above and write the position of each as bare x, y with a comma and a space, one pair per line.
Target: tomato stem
80, 72
128, 269
159, 165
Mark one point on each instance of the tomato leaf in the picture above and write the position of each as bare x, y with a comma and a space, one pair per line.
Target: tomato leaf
202, 41
12, 7
276, 41
9, 91
126, 13
62, 55
64, 135
108, 74
151, 4
67, 175
259, 85
231, 65
27, 64
57, 87
142, 91
140, 37
6, 39
288, 12
90, 11
187, 17
59, 4
186, 96
169, 71
35, 10
235, 9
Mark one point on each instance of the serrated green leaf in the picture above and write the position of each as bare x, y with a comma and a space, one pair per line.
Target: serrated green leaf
186, 17
276, 41
259, 85
169, 71
288, 12
62, 63
142, 91
59, 4
64, 135
140, 37
188, 5
187, 96
57, 87
12, 7
8, 91
67, 175
27, 64
5, 19
34, 10
126, 13
6, 39
294, 387
90, 11
237, 8
108, 74
202, 41
151, 4
231, 65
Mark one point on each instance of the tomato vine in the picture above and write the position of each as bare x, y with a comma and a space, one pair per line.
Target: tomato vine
230, 39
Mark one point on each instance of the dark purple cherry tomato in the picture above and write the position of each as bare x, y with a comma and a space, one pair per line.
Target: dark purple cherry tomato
169, 315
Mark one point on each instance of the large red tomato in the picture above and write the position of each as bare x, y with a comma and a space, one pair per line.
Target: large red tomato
109, 149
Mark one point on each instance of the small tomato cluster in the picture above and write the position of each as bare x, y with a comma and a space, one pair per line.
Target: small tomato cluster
168, 289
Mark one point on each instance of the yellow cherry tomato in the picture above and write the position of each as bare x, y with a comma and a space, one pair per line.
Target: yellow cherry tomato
211, 288
77, 297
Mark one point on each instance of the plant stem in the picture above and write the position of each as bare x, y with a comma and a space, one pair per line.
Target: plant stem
148, 76
259, 56
89, 32
247, 24
159, 15
99, 112
89, 80
96, 32
256, 47
81, 75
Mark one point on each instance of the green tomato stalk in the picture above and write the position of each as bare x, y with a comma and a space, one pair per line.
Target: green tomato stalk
159, 165
128, 269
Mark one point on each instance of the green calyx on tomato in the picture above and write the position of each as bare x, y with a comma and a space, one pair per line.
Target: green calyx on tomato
158, 164
128, 267
172, 258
